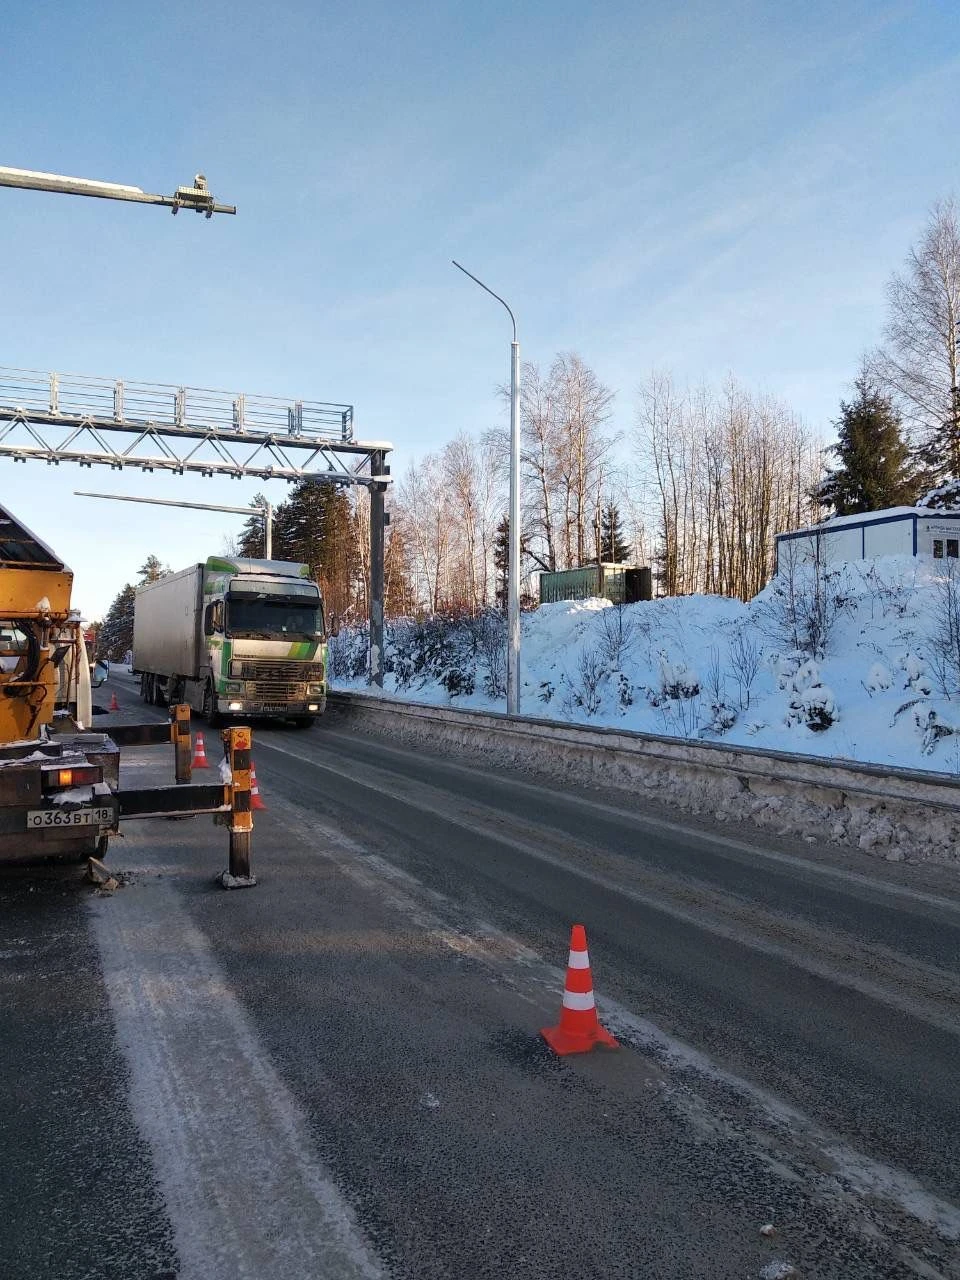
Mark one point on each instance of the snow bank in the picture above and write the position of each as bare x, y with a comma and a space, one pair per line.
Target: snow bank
858, 664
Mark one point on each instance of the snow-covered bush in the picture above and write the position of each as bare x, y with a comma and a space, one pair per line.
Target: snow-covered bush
800, 604
617, 634
723, 716
889, 590
879, 678
784, 668
490, 639
944, 643
933, 728
811, 702
746, 656
591, 670
624, 692
816, 707
349, 653
677, 680
916, 673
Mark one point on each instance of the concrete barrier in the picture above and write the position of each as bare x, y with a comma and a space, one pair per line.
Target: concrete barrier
897, 814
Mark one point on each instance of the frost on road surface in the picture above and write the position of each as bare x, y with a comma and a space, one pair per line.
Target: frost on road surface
244, 1191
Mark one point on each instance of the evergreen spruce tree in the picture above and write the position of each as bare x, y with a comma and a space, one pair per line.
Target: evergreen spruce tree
613, 548
252, 541
875, 469
315, 527
151, 571
116, 632
398, 597
501, 563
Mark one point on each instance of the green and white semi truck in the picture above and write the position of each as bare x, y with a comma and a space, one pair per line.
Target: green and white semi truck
233, 638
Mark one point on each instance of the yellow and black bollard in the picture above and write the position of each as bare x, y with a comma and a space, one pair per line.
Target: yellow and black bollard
180, 733
238, 741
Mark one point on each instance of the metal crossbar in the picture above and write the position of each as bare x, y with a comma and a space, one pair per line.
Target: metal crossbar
157, 427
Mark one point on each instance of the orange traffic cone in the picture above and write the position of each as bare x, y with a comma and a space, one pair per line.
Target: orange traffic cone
114, 704
199, 760
578, 1031
256, 800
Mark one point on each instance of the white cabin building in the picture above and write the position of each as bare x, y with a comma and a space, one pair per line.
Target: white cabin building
897, 531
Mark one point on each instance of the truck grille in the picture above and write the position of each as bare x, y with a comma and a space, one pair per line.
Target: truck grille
285, 673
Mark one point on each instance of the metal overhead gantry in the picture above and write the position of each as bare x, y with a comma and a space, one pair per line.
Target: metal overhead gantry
144, 426
147, 426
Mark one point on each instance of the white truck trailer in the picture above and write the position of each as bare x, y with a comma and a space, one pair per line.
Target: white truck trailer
233, 638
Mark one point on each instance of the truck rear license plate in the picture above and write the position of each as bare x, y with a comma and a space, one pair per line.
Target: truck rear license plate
69, 817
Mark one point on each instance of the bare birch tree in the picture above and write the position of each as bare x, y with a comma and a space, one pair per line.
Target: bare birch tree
919, 363
470, 472
426, 501
728, 470
563, 451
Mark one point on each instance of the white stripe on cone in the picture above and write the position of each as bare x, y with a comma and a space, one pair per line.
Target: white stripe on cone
578, 1000
578, 960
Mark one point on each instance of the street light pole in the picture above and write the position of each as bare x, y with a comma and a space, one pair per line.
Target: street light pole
197, 197
266, 511
513, 555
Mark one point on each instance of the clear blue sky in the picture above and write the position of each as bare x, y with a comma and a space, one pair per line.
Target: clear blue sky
708, 187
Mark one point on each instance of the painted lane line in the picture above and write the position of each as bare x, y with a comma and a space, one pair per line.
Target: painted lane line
243, 1188
642, 820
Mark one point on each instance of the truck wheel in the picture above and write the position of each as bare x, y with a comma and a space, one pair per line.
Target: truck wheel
302, 722
212, 717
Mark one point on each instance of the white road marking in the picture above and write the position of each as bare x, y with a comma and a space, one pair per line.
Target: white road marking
245, 1193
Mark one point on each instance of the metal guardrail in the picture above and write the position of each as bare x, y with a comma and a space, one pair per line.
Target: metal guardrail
72, 396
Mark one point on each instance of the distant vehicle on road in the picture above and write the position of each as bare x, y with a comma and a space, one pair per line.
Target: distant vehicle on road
233, 637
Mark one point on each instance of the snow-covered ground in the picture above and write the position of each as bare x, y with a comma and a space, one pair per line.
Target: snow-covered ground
860, 662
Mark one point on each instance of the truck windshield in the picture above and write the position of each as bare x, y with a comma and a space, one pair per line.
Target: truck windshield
269, 617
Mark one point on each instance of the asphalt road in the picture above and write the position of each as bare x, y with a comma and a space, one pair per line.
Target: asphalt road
338, 1073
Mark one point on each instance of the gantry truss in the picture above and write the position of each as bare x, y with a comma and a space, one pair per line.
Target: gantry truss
146, 426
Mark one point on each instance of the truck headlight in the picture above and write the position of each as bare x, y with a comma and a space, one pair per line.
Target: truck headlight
314, 690
234, 706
